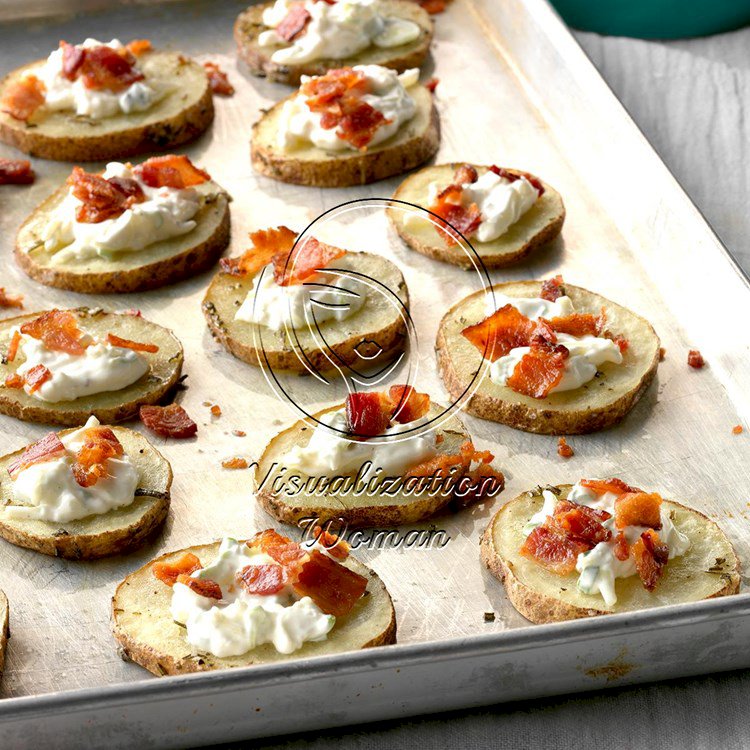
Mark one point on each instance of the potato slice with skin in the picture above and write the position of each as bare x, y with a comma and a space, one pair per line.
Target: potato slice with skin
180, 116
710, 568
113, 533
4, 628
147, 634
249, 26
599, 404
414, 143
162, 263
363, 510
379, 320
112, 406
538, 226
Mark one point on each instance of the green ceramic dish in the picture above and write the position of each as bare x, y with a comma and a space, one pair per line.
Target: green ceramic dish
655, 19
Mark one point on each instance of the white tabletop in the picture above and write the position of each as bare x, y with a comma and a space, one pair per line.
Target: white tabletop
691, 98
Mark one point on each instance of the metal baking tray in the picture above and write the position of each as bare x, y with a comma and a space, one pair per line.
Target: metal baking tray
515, 89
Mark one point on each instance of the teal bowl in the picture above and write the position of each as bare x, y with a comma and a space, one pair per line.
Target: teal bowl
655, 19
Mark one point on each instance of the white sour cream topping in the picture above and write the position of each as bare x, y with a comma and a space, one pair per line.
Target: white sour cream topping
587, 353
240, 621
48, 490
330, 453
300, 305
501, 202
102, 367
335, 31
600, 568
97, 104
166, 213
387, 93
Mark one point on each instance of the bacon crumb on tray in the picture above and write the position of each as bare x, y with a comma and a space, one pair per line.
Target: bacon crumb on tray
563, 449
10, 300
168, 421
695, 359
218, 79
234, 463
16, 172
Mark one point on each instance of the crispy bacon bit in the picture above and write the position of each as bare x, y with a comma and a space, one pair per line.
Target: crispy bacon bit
168, 421
46, 449
99, 445
10, 300
282, 549
622, 548
114, 340
168, 571
539, 371
266, 245
553, 550
36, 377
201, 586
23, 97
465, 175
294, 23
218, 80
172, 171
455, 217
506, 174
333, 544
239, 433
434, 6
139, 47
408, 403
638, 509
14, 381
234, 463
72, 59
16, 172
563, 449
100, 67
502, 331
368, 414
58, 330
432, 84
216, 411
337, 96
579, 324
262, 580
580, 522
662, 354
15, 341
553, 289
622, 343
102, 199
334, 588
602, 486
695, 359
651, 557
737, 429
304, 261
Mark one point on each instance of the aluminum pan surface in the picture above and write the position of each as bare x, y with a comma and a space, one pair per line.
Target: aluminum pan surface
636, 240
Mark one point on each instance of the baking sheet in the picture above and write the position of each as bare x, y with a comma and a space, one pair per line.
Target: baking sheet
505, 96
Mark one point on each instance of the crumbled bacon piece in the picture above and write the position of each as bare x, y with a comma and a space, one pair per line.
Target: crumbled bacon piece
337, 96
408, 403
15, 342
579, 324
168, 421
36, 377
23, 97
622, 548
651, 557
100, 67
294, 23
553, 289
201, 586
266, 244
602, 486
99, 445
622, 343
10, 300
262, 580
304, 261
282, 549
465, 175
216, 411
14, 381
539, 370
234, 463
72, 59
506, 174
136, 346
16, 172
502, 331
434, 6
695, 359
449, 207
662, 354
218, 79
432, 84
580, 522
553, 550
638, 509
171, 171
58, 330
368, 414
333, 544
101, 198
168, 571
737, 429
46, 449
239, 433
139, 47
563, 449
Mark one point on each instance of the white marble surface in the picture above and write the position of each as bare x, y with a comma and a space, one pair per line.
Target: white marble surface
691, 98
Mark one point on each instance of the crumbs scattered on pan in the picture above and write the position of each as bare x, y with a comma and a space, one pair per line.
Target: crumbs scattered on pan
563, 449
234, 463
695, 359
738, 429
489, 617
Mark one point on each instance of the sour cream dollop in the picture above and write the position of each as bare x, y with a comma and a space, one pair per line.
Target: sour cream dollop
241, 621
64, 95
48, 491
335, 31
166, 213
388, 93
